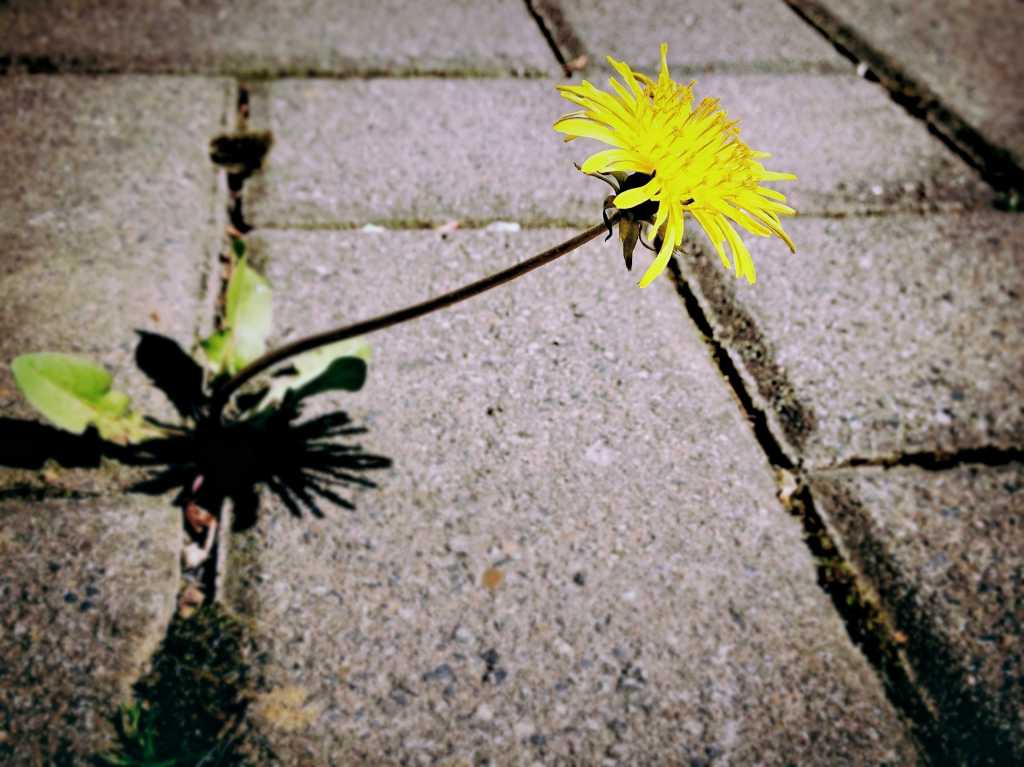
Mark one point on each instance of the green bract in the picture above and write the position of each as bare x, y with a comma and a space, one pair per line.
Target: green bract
75, 394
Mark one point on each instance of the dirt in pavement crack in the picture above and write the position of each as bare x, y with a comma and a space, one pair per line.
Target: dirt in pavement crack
939, 461
560, 36
241, 153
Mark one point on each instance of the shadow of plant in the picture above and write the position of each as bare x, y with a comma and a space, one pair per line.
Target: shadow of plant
189, 708
304, 463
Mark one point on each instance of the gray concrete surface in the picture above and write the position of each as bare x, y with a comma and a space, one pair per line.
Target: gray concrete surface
351, 152
966, 52
272, 37
702, 35
578, 556
881, 336
87, 589
945, 550
111, 217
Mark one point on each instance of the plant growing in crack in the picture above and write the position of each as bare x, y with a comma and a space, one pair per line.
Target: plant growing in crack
669, 159
261, 441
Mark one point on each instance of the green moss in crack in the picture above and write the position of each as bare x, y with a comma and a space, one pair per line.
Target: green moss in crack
190, 706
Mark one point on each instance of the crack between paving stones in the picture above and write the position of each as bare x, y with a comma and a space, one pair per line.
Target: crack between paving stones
71, 65
867, 625
30, 492
723, 361
560, 36
157, 661
935, 461
214, 572
994, 163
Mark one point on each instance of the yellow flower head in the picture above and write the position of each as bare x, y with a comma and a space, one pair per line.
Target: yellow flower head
688, 160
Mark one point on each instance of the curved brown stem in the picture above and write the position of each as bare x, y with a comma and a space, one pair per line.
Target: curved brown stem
222, 394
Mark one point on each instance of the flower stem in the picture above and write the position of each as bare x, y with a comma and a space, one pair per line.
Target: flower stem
222, 394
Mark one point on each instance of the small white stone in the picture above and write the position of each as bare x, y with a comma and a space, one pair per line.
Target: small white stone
484, 713
502, 226
600, 454
524, 729
192, 556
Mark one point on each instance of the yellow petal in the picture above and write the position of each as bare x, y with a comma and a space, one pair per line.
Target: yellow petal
627, 74
599, 162
633, 197
710, 226
740, 254
658, 265
577, 127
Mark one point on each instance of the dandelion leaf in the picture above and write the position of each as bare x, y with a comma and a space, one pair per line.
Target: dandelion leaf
74, 394
338, 366
247, 318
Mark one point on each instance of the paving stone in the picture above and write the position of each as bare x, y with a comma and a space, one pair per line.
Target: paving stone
966, 52
703, 35
578, 556
349, 152
110, 218
882, 336
275, 37
946, 552
87, 588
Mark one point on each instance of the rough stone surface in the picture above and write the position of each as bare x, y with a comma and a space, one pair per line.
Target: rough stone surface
110, 218
87, 588
702, 35
966, 52
578, 556
882, 336
349, 152
945, 550
272, 37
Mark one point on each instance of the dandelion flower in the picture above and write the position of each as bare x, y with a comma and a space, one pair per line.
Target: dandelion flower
670, 159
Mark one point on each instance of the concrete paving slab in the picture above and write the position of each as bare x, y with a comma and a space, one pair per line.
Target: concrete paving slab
578, 556
87, 589
882, 336
966, 52
350, 152
276, 37
945, 551
110, 218
703, 35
